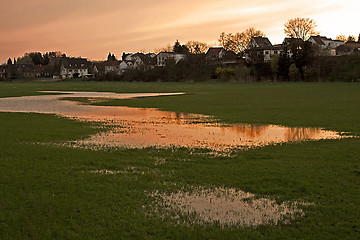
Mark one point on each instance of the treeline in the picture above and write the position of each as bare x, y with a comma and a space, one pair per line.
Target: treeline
37, 58
289, 66
193, 68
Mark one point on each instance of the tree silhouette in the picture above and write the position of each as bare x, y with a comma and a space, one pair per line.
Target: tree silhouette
284, 64
351, 38
239, 41
197, 47
9, 62
341, 37
178, 48
301, 28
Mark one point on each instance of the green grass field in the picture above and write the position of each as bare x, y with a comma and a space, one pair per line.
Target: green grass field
47, 192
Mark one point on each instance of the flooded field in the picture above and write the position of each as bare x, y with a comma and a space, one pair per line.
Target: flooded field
139, 128
226, 207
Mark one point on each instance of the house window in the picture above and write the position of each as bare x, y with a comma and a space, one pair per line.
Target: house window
266, 52
275, 52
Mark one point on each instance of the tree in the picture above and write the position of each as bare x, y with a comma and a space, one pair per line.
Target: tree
36, 57
168, 48
197, 47
294, 73
351, 38
225, 41
9, 62
341, 37
25, 60
239, 41
359, 38
284, 64
111, 57
178, 48
275, 65
301, 28
248, 34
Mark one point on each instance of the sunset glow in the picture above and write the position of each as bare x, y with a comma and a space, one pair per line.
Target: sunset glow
91, 29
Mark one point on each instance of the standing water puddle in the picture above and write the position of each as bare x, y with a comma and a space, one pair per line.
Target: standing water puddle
225, 207
138, 127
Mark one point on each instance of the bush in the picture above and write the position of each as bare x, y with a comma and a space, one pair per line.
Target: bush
294, 73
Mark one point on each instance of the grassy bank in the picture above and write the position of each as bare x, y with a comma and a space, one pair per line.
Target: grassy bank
48, 192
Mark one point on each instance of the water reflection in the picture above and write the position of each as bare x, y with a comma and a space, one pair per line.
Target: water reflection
138, 128
224, 206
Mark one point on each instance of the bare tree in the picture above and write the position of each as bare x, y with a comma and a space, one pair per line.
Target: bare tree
239, 41
225, 40
248, 34
351, 38
301, 28
168, 48
197, 47
341, 37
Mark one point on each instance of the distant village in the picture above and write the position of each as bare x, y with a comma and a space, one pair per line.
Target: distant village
260, 49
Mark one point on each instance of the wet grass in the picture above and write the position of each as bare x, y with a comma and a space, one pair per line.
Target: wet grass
49, 192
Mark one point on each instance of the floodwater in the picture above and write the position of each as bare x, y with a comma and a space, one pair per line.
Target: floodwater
224, 206
139, 127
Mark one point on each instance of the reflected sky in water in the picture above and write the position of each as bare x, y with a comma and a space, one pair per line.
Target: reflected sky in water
139, 127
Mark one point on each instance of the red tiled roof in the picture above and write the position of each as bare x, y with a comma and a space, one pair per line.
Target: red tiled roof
262, 42
353, 44
214, 51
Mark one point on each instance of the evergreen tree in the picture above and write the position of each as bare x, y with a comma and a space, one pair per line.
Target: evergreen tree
9, 62
178, 48
111, 57
284, 64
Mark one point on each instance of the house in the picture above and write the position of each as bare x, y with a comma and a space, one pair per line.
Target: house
111, 66
324, 42
74, 67
260, 49
2, 71
348, 48
124, 66
327, 46
293, 42
215, 53
98, 68
354, 45
140, 61
164, 57
19, 71
218, 55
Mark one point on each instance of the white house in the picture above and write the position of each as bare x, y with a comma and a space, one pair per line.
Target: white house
124, 66
260, 49
326, 44
74, 67
112, 66
163, 57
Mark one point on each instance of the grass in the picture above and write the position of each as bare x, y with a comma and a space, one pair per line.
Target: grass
47, 192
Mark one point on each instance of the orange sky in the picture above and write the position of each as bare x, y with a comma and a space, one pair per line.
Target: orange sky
92, 28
